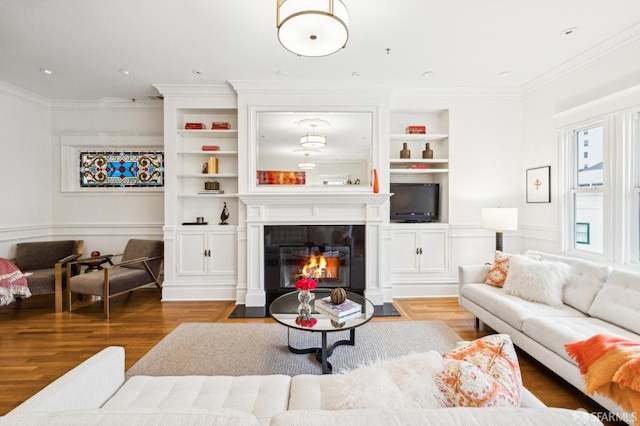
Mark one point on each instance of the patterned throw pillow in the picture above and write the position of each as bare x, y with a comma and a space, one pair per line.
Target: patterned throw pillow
498, 272
482, 373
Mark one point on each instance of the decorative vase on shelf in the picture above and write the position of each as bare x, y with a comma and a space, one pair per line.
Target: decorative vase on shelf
405, 153
376, 188
428, 152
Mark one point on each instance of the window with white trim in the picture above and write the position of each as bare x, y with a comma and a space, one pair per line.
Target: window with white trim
601, 208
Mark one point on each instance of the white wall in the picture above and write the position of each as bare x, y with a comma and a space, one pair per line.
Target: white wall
105, 219
25, 168
485, 139
617, 71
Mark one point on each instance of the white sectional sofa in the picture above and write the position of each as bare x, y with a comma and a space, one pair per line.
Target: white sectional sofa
96, 393
597, 299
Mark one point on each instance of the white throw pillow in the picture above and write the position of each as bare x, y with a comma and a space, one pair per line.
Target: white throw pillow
403, 382
538, 281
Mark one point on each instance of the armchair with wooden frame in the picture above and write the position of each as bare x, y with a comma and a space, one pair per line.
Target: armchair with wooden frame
47, 263
140, 265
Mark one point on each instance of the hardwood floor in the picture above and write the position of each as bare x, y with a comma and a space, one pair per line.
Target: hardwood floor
38, 345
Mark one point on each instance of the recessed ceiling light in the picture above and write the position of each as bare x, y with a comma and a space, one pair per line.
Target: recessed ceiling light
569, 31
124, 71
355, 74
427, 73
46, 71
504, 74
197, 72
282, 73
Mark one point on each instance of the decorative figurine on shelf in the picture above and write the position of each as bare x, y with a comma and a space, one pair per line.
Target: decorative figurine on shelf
224, 215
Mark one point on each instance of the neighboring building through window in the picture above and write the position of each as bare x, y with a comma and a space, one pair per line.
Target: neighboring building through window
582, 233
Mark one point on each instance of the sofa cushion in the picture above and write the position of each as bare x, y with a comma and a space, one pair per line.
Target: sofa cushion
482, 373
585, 281
619, 300
537, 280
499, 269
407, 381
554, 332
495, 416
511, 309
262, 396
134, 416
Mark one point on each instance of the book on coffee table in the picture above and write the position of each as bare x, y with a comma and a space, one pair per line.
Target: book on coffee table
348, 307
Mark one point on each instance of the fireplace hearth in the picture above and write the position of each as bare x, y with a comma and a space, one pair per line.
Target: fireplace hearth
333, 255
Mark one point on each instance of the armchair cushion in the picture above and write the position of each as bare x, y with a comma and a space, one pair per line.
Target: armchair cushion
43, 255
120, 280
137, 249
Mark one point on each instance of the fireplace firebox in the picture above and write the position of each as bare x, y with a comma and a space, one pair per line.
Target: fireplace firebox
333, 255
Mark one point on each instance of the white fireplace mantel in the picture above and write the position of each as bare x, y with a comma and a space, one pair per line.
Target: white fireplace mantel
326, 208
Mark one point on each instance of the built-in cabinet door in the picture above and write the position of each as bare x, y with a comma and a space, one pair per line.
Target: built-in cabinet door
405, 247
419, 249
222, 253
192, 253
433, 251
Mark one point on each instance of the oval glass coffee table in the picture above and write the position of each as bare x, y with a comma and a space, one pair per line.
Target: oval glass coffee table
285, 311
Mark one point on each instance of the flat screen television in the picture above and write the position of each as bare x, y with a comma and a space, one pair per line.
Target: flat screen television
415, 202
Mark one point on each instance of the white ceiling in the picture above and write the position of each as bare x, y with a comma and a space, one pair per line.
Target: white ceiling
465, 43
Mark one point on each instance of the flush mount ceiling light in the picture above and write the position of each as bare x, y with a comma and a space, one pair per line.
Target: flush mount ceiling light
312, 27
313, 140
306, 164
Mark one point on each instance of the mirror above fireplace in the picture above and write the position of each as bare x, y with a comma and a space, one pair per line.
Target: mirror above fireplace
314, 148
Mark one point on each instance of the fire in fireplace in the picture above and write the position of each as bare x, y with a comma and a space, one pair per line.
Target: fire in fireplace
333, 255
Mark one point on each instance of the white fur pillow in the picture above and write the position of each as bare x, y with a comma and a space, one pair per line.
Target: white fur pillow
537, 280
404, 382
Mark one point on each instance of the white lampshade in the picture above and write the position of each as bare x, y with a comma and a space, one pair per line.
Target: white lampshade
312, 27
313, 141
499, 219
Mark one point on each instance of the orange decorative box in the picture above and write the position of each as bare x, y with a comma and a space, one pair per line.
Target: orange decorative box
416, 130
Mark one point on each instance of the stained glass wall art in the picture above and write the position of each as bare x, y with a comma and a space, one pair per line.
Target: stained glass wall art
121, 169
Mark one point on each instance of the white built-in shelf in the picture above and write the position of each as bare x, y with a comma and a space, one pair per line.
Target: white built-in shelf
209, 133
416, 171
418, 137
208, 175
207, 195
199, 153
408, 161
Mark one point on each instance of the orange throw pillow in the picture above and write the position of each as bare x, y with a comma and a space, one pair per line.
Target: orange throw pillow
498, 272
482, 373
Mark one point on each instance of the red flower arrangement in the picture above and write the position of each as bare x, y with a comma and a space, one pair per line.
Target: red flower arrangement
304, 322
306, 284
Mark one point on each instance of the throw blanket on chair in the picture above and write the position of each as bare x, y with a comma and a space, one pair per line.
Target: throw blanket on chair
610, 366
12, 283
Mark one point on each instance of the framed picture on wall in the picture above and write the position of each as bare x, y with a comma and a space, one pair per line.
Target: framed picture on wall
538, 185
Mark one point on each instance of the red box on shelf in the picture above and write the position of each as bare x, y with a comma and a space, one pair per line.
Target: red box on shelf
194, 126
210, 148
416, 130
219, 125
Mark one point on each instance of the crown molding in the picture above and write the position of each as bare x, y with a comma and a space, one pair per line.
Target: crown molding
194, 90
611, 45
107, 105
23, 95
311, 86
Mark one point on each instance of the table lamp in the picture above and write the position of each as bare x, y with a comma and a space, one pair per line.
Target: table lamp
499, 219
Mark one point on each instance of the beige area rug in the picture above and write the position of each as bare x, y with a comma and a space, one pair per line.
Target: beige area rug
234, 349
